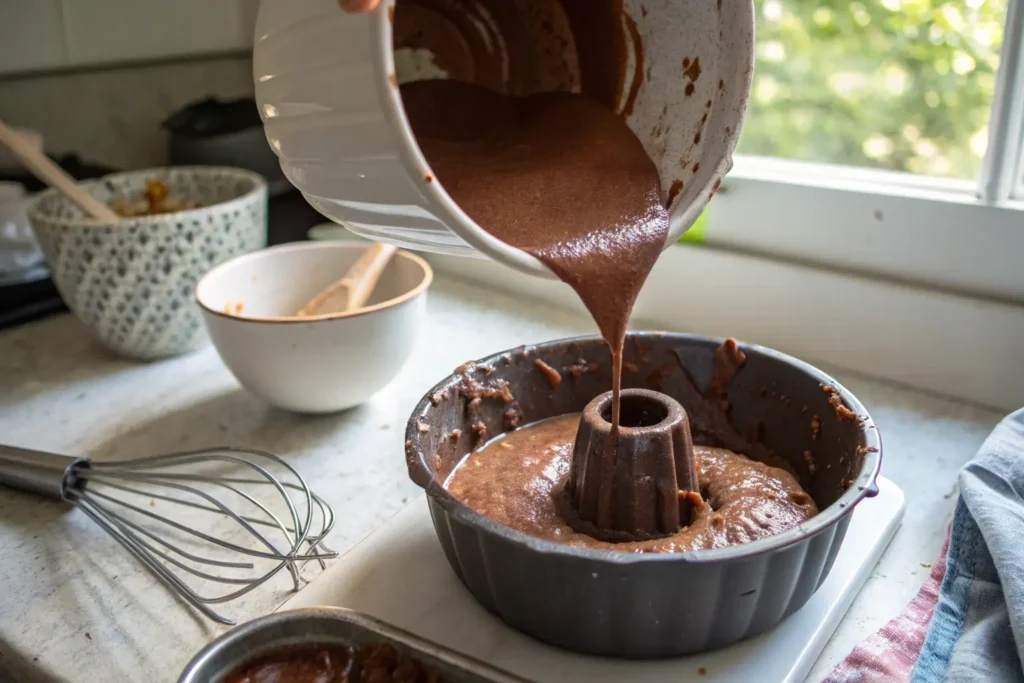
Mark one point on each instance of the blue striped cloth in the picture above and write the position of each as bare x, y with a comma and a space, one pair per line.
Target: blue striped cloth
977, 632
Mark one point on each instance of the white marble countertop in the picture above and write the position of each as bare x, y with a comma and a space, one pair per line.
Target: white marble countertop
73, 606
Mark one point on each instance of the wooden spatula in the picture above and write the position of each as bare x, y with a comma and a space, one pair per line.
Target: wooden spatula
53, 175
351, 292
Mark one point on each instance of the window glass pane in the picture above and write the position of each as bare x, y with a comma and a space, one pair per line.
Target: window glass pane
897, 84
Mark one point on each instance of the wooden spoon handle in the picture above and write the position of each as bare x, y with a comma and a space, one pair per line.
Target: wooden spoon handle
54, 176
353, 289
362, 277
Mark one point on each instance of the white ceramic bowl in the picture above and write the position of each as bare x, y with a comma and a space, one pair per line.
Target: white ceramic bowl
326, 88
320, 364
131, 283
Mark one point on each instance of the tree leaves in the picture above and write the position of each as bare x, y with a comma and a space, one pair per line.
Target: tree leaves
895, 84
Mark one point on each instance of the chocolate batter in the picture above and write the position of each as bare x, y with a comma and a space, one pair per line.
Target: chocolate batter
525, 47
516, 480
557, 174
335, 664
528, 137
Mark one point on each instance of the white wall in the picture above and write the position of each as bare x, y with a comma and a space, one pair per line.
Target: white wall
97, 77
112, 116
58, 34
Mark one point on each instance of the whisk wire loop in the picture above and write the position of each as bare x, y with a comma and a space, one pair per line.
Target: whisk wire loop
225, 528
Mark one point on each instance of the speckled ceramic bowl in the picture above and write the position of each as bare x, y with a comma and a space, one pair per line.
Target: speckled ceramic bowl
132, 283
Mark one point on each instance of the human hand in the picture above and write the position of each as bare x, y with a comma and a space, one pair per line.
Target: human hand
358, 5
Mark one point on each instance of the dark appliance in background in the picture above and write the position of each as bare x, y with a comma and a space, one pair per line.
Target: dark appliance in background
214, 132
206, 132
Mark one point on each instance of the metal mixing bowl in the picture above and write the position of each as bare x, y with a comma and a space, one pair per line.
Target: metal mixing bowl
319, 626
648, 605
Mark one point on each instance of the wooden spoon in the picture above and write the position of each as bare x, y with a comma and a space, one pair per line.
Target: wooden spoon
53, 175
351, 292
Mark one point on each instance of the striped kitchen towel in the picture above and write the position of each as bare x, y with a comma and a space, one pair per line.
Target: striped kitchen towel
975, 622
889, 655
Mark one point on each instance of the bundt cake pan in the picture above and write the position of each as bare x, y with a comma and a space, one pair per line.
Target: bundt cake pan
647, 605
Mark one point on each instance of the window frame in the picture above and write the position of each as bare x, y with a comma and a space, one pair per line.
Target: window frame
960, 236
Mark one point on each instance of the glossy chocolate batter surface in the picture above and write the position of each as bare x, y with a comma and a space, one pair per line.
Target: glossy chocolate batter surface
516, 480
558, 175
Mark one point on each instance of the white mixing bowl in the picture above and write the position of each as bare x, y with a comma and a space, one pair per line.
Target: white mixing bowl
326, 85
323, 363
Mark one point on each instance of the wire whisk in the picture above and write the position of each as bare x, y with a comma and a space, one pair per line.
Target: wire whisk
211, 525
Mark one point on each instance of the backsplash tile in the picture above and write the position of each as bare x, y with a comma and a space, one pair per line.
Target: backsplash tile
112, 116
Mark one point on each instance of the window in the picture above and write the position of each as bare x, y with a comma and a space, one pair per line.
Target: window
885, 137
904, 85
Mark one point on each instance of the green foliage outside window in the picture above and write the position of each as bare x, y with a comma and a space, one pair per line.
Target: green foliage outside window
904, 85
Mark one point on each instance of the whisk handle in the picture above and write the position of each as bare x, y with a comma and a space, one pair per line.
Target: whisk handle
45, 474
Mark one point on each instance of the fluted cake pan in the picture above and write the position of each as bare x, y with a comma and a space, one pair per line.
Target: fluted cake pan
647, 605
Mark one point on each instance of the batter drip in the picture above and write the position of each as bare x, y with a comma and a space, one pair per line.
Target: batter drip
541, 164
516, 480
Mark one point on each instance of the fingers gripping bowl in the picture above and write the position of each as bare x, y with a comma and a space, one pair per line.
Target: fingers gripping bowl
647, 605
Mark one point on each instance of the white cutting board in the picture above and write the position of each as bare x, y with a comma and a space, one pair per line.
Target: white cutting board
399, 574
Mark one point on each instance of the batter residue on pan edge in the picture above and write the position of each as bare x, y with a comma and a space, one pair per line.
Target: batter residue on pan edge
516, 480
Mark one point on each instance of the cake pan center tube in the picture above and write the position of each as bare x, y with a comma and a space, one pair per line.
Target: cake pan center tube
638, 484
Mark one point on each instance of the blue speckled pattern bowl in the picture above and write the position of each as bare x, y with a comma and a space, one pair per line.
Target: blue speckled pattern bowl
132, 283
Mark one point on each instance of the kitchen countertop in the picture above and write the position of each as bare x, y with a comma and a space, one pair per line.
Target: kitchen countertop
74, 606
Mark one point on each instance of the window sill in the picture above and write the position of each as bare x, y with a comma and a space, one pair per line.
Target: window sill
935, 341
930, 231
